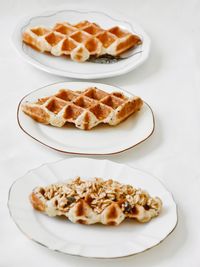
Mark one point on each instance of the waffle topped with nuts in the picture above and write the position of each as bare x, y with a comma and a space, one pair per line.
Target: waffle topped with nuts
80, 41
95, 201
86, 109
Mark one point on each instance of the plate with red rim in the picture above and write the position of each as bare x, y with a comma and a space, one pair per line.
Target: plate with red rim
101, 140
88, 70
97, 240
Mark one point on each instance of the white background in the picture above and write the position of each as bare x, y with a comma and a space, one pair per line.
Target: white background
169, 81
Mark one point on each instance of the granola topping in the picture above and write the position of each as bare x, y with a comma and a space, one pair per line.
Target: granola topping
98, 194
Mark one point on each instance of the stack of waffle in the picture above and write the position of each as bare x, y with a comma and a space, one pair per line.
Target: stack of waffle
80, 41
85, 109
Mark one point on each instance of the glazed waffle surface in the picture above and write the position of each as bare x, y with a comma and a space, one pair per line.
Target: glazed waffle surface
85, 109
80, 41
96, 201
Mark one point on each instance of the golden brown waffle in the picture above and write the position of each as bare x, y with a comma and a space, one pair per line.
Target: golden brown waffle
95, 201
80, 41
85, 109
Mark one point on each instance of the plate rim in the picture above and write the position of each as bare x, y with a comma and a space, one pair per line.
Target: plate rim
86, 76
93, 257
81, 153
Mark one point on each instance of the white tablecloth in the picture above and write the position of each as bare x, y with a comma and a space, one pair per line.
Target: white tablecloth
169, 81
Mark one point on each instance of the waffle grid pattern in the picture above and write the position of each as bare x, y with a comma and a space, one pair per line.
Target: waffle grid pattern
85, 109
80, 41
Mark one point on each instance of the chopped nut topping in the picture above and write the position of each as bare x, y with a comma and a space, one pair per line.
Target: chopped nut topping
98, 194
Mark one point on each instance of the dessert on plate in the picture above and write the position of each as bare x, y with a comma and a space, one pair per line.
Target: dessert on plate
95, 201
80, 41
85, 109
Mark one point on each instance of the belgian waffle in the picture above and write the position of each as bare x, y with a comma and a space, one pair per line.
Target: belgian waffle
95, 201
85, 109
80, 41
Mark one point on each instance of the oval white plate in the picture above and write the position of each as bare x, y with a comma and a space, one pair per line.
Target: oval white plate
101, 140
88, 70
94, 240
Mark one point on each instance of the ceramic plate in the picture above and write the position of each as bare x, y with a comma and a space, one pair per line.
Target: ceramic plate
101, 241
101, 140
88, 70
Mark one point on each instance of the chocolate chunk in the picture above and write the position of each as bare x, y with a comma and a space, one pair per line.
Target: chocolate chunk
71, 200
127, 207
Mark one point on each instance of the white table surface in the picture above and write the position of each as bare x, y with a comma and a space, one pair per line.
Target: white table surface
169, 81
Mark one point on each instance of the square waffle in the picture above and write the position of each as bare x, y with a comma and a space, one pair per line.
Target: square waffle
80, 41
85, 109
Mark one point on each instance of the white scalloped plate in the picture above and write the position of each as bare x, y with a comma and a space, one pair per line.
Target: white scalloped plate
101, 140
99, 241
65, 67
